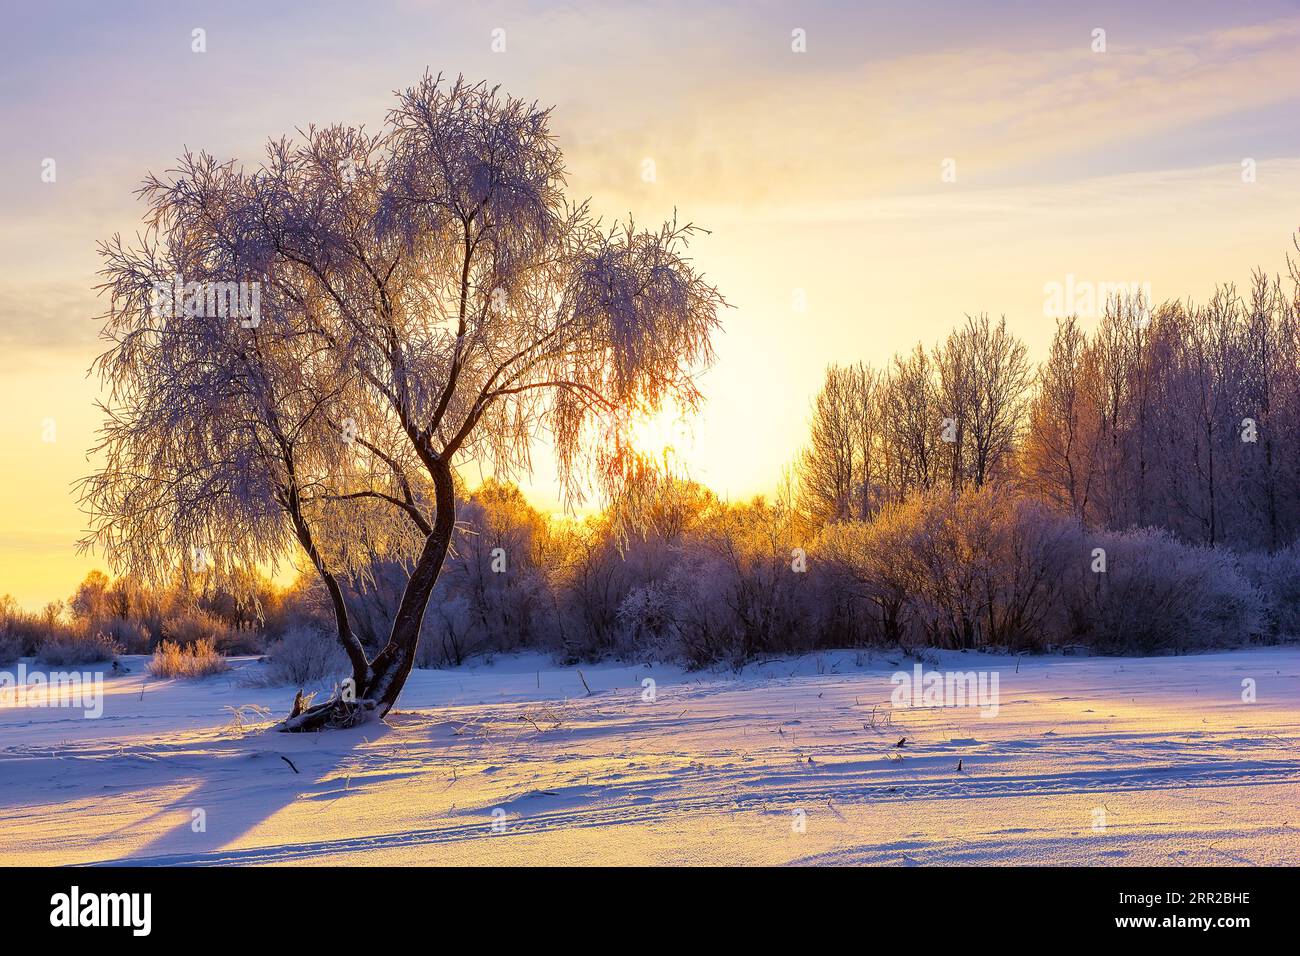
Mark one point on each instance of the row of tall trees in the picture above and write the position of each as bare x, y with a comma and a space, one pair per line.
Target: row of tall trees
1189, 421
947, 418
1183, 417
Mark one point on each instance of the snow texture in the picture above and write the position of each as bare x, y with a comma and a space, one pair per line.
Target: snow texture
1088, 761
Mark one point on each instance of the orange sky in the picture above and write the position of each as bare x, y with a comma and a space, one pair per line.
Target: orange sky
820, 174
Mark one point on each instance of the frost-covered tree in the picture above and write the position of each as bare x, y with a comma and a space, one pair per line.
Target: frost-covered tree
838, 471
427, 296
951, 416
998, 380
1059, 450
1184, 417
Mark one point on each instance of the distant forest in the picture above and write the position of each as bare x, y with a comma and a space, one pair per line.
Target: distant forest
1137, 491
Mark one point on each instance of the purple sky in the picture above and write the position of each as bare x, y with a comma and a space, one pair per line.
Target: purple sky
819, 173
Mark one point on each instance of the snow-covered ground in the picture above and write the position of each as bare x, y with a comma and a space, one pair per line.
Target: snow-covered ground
1088, 761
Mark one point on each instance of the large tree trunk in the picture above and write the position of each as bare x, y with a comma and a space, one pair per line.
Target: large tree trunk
387, 674
393, 665
351, 644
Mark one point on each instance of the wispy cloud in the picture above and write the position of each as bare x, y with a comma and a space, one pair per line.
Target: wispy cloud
47, 316
884, 126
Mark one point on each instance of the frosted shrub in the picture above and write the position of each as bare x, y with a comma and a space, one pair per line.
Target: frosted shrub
505, 611
195, 624
201, 659
1018, 580
648, 621
1277, 578
303, 656
446, 637
131, 636
594, 581
1159, 594
30, 630
873, 560
937, 555
710, 584
707, 630
11, 648
975, 570
71, 649
242, 639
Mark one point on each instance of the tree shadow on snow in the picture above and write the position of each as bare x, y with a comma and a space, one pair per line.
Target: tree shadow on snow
233, 785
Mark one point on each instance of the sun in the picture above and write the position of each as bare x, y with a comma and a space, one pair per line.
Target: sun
665, 435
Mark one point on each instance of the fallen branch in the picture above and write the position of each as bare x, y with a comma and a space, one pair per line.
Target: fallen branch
334, 713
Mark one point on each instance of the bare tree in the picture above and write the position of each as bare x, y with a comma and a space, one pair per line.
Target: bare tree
1268, 398
1061, 437
911, 426
954, 364
838, 470
999, 378
429, 297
